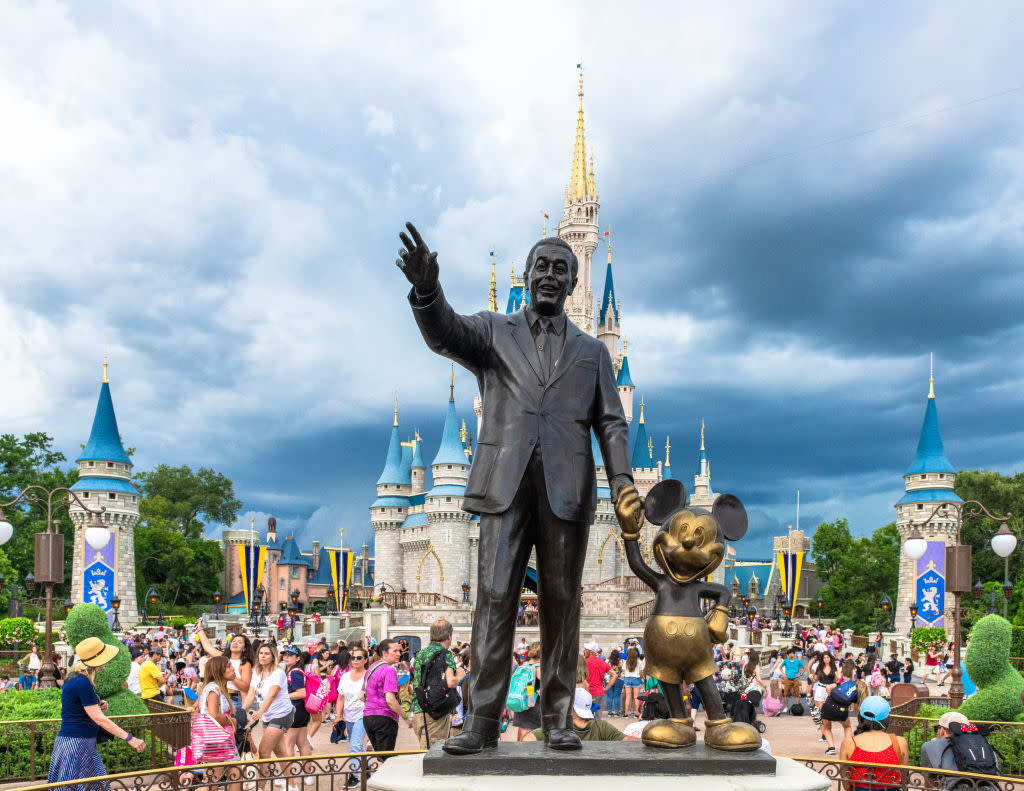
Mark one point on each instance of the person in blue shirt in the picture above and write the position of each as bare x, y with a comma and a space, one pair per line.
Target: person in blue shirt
81, 716
792, 668
27, 680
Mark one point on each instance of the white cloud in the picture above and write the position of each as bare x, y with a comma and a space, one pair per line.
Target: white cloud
379, 122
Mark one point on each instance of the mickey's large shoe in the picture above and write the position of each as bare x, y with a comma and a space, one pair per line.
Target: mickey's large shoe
670, 734
562, 739
724, 734
469, 743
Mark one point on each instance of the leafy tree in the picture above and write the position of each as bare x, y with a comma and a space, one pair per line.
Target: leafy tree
176, 497
183, 570
858, 572
24, 462
1001, 495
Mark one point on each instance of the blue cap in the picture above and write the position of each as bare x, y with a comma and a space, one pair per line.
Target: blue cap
875, 708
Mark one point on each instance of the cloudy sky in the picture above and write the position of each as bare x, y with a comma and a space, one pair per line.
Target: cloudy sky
805, 198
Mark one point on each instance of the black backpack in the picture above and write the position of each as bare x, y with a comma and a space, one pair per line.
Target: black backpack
797, 710
971, 750
433, 694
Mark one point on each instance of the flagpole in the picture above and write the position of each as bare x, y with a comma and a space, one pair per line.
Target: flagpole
252, 561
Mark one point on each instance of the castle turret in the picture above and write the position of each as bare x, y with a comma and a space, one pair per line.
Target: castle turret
389, 510
579, 225
418, 468
608, 318
104, 481
928, 481
641, 451
701, 495
624, 383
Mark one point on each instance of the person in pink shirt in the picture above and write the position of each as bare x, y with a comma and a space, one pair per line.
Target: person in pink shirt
383, 709
596, 670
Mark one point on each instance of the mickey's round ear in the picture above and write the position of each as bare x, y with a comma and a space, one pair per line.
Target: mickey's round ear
663, 499
730, 515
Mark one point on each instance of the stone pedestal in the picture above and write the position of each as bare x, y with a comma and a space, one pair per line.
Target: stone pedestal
514, 766
376, 620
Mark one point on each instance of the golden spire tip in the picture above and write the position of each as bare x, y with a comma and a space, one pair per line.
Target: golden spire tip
702, 433
642, 405
396, 407
931, 375
451, 394
106, 379
668, 447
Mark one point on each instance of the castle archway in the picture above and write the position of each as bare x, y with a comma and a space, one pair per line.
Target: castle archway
440, 568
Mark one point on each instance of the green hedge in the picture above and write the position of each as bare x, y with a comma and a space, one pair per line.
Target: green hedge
1017, 641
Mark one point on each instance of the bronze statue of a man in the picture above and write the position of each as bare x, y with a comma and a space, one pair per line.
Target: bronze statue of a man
545, 385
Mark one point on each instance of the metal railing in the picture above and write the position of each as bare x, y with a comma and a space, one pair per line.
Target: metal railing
845, 775
405, 601
1006, 737
640, 612
28, 744
328, 772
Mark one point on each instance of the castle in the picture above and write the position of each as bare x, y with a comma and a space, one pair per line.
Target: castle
424, 541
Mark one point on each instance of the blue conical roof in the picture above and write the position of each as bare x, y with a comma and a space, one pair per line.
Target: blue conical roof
393, 465
451, 450
641, 455
624, 379
931, 456
406, 469
104, 440
609, 296
417, 454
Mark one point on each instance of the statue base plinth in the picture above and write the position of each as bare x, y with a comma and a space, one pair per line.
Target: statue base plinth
513, 766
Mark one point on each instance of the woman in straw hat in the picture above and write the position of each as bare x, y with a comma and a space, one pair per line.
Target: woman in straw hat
74, 751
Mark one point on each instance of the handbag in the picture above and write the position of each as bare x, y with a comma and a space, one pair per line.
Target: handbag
211, 741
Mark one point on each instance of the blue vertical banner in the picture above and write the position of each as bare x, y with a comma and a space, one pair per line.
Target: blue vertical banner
99, 576
341, 576
251, 558
930, 587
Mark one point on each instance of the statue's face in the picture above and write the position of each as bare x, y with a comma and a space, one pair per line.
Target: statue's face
551, 279
687, 546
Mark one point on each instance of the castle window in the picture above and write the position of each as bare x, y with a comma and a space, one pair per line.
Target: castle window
295, 572
447, 499
110, 465
449, 466
920, 506
942, 475
282, 583
923, 477
111, 496
135, 498
85, 495
92, 464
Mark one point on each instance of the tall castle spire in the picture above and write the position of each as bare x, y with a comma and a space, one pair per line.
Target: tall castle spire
641, 447
492, 295
608, 329
578, 177
579, 224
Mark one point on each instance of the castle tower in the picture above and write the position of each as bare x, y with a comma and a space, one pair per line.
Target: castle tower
390, 508
701, 495
624, 383
448, 535
419, 469
608, 318
104, 481
579, 225
927, 482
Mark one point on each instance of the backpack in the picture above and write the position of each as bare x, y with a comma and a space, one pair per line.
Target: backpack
797, 710
972, 752
317, 691
844, 694
433, 694
517, 699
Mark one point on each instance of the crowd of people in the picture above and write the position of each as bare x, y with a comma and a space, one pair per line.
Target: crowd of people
268, 699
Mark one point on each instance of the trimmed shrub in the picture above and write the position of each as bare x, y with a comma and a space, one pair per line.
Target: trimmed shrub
1017, 641
988, 664
89, 620
19, 631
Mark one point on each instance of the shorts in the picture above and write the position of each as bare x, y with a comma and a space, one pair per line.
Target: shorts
631, 682
791, 688
301, 715
833, 712
382, 731
283, 723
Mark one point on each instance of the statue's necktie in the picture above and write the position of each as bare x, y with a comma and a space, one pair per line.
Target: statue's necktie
544, 339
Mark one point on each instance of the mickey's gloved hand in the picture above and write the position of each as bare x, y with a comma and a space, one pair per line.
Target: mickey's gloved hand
718, 623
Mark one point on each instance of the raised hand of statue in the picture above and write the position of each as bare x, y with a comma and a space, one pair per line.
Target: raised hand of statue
629, 509
417, 263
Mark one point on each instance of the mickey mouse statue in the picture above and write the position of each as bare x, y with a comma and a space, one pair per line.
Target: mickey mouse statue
679, 638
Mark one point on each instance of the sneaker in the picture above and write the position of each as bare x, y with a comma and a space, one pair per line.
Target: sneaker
821, 738
308, 780
352, 781
830, 751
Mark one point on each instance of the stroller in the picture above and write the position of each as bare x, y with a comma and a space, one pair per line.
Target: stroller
772, 703
745, 709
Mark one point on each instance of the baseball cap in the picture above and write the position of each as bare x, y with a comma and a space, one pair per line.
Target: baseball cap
949, 718
581, 704
875, 709
137, 651
291, 649
592, 646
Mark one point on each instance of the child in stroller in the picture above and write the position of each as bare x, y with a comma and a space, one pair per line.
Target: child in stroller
744, 709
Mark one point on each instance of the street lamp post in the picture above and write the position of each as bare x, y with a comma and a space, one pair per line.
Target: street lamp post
115, 602
216, 603
913, 619
787, 610
890, 611
465, 593
293, 611
1003, 544
958, 570
153, 600
330, 601
820, 603
49, 553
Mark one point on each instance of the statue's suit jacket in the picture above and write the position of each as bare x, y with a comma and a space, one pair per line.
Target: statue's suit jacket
522, 409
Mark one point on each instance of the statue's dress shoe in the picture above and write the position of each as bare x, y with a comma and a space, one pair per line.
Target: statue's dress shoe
724, 734
469, 743
562, 739
672, 733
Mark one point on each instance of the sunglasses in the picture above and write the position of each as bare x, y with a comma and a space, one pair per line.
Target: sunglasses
357, 656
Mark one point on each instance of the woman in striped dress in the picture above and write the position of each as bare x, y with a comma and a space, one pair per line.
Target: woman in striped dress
81, 716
